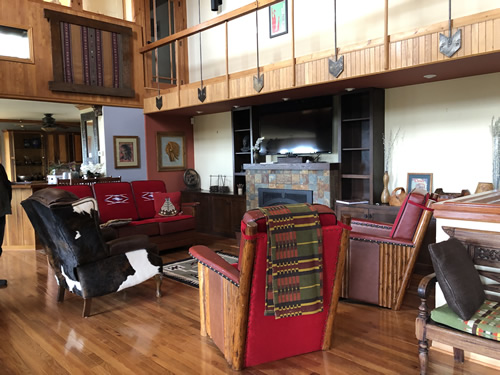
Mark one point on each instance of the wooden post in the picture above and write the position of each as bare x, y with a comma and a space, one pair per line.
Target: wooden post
337, 284
241, 322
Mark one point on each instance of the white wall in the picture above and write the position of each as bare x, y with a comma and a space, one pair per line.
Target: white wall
213, 148
357, 21
445, 130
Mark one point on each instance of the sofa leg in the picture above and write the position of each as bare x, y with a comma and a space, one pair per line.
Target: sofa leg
87, 302
458, 355
158, 279
60, 294
423, 355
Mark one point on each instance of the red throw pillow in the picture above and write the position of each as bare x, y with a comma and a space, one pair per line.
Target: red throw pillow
159, 200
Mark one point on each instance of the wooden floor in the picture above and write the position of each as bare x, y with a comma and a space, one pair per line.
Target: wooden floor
132, 332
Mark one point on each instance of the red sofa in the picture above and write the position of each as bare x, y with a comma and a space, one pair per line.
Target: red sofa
135, 201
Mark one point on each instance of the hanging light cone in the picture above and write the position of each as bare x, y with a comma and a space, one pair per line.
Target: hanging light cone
336, 67
448, 46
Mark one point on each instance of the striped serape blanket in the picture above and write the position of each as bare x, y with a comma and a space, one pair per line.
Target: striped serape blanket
294, 269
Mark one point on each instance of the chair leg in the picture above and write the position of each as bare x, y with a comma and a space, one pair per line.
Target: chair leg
423, 355
458, 355
87, 302
158, 278
60, 294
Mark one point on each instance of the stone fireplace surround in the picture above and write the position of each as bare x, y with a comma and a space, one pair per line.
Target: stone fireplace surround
321, 178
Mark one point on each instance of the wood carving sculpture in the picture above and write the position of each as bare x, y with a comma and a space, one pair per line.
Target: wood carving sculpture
172, 149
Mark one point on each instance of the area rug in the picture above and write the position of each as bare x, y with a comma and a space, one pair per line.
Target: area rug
186, 270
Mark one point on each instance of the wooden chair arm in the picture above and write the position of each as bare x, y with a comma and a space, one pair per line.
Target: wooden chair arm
213, 261
426, 285
380, 239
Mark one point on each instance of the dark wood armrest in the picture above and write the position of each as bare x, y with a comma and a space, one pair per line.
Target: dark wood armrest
426, 285
189, 208
376, 228
212, 260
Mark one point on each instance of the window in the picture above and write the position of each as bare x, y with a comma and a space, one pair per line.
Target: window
15, 43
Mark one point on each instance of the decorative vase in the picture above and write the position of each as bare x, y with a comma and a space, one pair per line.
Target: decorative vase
384, 198
256, 156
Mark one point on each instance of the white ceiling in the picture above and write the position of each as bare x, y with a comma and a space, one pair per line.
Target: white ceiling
11, 109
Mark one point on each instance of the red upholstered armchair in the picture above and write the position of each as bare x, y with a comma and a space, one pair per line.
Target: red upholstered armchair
381, 256
232, 297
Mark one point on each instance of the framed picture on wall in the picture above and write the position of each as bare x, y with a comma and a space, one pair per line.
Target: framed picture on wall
420, 180
126, 151
278, 19
171, 151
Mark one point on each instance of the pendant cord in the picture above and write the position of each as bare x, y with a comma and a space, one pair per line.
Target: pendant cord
257, 37
335, 26
449, 16
201, 58
156, 49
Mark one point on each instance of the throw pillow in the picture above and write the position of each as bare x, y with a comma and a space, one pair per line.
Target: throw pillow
167, 204
457, 277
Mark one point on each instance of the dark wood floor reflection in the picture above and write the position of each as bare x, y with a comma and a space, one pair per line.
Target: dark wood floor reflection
132, 332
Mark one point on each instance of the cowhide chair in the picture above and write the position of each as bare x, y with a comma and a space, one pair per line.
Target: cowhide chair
84, 258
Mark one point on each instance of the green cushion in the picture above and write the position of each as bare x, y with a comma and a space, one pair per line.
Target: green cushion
485, 322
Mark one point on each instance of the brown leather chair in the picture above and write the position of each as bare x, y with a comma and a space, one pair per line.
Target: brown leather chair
232, 297
381, 256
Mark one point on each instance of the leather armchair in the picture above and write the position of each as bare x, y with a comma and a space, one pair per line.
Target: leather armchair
381, 256
232, 297
87, 261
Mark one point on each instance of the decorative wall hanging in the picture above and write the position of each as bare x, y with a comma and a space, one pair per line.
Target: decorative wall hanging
336, 67
278, 19
171, 151
89, 56
126, 150
258, 82
448, 46
202, 91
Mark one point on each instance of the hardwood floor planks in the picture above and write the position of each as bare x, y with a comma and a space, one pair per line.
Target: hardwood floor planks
133, 332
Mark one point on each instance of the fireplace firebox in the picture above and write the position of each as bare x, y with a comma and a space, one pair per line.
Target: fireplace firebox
272, 197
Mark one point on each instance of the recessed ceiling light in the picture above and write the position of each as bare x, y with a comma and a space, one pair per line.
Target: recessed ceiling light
286, 99
349, 89
199, 112
430, 76
236, 106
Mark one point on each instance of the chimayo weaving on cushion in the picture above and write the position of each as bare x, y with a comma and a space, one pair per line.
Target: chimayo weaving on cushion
294, 261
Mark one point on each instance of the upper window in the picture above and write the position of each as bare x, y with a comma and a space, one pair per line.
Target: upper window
15, 43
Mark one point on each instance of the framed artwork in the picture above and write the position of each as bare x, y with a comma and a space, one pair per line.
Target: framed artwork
171, 151
420, 180
126, 151
278, 19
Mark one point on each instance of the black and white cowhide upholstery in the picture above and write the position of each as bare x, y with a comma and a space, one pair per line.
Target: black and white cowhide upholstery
83, 262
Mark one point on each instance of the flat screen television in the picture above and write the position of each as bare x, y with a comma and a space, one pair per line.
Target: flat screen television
297, 127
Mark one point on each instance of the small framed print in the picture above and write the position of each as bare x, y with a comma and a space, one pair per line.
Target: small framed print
171, 151
126, 150
278, 19
420, 180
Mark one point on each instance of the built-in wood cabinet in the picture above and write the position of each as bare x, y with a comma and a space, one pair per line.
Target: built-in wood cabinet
360, 121
31, 153
217, 213
244, 126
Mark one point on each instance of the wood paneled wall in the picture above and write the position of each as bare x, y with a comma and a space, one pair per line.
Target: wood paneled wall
31, 80
480, 35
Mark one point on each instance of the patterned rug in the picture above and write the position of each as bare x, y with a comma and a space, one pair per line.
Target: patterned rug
186, 270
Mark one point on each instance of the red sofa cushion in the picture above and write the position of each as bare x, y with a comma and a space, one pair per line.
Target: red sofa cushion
409, 215
81, 191
270, 339
159, 199
143, 194
115, 201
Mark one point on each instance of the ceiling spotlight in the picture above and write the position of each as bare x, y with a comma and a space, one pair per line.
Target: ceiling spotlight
349, 89
199, 112
430, 76
236, 106
285, 99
